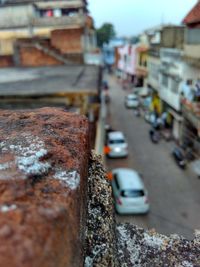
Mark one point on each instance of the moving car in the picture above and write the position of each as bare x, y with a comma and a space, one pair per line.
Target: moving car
131, 101
117, 145
179, 157
129, 192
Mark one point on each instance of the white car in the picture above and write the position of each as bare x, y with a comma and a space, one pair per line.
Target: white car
117, 145
131, 101
129, 192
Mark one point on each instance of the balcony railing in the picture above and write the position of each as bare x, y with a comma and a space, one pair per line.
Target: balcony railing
59, 21
191, 110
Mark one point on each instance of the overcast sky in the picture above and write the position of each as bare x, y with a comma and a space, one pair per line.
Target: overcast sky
130, 17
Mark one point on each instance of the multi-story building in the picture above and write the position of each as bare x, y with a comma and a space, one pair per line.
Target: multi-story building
153, 63
191, 106
132, 63
175, 75
170, 77
54, 28
127, 61
109, 52
141, 64
168, 72
163, 36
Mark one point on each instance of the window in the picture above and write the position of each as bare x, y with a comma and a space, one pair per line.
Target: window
165, 80
117, 141
132, 193
125, 58
116, 181
174, 85
140, 60
128, 60
154, 70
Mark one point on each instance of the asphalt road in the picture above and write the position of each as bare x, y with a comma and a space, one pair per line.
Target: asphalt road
174, 194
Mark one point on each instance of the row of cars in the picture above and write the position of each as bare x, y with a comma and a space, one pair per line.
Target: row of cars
129, 192
133, 101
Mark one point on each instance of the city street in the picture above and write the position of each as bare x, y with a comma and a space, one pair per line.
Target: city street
174, 194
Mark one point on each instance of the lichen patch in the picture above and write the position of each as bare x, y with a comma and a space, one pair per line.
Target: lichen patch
70, 179
28, 151
6, 208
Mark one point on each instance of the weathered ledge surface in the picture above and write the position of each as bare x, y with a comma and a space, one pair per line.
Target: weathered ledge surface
125, 245
101, 249
44, 158
138, 248
44, 184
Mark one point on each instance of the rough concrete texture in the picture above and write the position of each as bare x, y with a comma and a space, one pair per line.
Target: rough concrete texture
140, 248
32, 57
67, 41
101, 239
43, 178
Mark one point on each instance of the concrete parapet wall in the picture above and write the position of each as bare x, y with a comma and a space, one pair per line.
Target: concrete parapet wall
32, 57
44, 157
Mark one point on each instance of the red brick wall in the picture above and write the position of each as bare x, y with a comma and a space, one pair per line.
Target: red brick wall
67, 41
32, 57
6, 61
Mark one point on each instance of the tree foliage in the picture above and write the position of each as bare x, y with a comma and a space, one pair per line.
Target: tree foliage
105, 33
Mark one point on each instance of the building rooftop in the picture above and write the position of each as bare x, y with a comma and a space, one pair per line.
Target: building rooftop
48, 80
18, 2
193, 17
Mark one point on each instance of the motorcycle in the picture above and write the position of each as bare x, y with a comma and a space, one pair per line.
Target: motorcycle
154, 135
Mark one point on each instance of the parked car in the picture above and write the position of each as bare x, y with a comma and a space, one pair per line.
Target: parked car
131, 101
179, 157
129, 193
117, 145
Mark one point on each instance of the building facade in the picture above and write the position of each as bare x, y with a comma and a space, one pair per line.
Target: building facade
46, 28
191, 103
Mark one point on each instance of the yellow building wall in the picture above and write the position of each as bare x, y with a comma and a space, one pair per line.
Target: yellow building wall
8, 37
